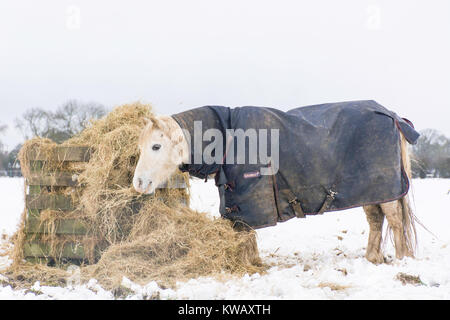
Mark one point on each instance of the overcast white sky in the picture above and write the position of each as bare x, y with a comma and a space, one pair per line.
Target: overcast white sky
183, 54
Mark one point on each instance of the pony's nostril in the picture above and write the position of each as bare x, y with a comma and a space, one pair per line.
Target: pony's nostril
142, 184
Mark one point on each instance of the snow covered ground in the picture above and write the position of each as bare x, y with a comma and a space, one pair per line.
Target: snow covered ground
313, 258
11, 203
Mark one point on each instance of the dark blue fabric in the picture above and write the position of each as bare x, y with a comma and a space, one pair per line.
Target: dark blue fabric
352, 148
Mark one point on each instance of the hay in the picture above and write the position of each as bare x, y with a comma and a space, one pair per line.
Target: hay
147, 239
405, 279
169, 244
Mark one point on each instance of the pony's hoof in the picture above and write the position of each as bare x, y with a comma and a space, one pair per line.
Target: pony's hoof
375, 258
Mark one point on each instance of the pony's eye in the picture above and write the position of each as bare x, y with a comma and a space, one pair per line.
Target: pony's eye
156, 147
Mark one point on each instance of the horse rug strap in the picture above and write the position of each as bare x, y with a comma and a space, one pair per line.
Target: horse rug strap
292, 198
296, 206
328, 200
221, 181
331, 156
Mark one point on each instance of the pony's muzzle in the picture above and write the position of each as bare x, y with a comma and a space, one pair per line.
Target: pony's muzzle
142, 185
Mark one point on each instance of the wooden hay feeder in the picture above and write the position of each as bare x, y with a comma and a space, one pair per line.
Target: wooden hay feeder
53, 191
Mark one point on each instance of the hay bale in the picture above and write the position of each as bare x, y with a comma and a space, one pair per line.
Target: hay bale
147, 239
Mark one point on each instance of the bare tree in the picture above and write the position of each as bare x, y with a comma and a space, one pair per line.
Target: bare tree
3, 153
73, 117
431, 155
3, 128
35, 122
68, 120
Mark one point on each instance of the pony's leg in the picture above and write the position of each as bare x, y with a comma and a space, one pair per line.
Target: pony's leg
375, 217
394, 215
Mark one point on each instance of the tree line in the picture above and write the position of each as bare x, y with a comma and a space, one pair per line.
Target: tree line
431, 154
60, 125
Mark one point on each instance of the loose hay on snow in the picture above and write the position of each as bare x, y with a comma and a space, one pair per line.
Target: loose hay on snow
176, 243
147, 239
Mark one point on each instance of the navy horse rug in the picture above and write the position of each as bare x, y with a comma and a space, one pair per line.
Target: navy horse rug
329, 157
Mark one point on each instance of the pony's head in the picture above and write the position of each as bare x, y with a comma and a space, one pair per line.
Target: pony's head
163, 148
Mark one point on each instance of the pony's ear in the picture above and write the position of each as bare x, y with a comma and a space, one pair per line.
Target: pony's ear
148, 124
163, 120
164, 123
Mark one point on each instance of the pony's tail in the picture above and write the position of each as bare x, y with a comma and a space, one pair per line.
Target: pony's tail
408, 217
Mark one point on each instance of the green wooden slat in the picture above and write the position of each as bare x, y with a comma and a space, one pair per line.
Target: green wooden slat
36, 166
176, 182
39, 260
62, 227
34, 190
62, 153
60, 179
49, 201
33, 213
38, 249
163, 197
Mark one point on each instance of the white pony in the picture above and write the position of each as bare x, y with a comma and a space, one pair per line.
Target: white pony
164, 148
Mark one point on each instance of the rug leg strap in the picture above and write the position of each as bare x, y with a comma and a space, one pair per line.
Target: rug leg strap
221, 180
328, 200
295, 204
